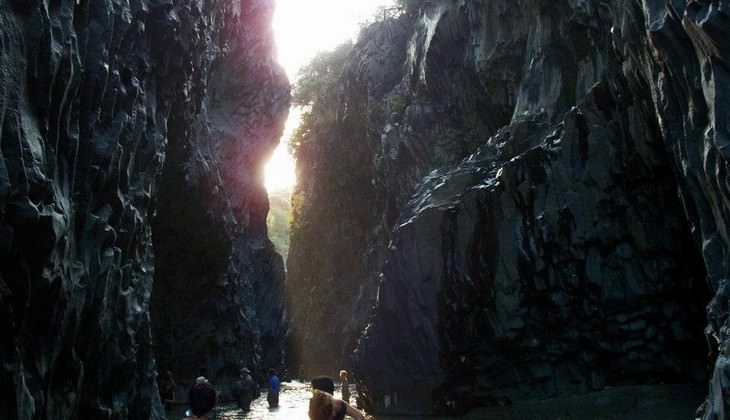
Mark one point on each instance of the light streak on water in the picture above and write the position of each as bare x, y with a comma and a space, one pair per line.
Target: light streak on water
293, 404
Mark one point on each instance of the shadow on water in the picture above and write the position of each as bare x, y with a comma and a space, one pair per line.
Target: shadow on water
666, 402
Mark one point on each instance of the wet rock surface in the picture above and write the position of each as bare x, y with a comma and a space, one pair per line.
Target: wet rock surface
551, 211
115, 115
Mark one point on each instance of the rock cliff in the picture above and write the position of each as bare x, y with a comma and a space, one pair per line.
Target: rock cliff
547, 182
132, 213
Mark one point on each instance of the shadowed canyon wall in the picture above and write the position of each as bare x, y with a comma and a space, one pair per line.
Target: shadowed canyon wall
132, 212
218, 297
547, 182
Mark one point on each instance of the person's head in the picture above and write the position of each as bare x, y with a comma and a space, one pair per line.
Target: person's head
343, 375
166, 376
271, 372
324, 383
202, 397
245, 371
321, 406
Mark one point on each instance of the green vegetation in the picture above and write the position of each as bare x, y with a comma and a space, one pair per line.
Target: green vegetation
316, 91
316, 81
295, 212
278, 221
316, 87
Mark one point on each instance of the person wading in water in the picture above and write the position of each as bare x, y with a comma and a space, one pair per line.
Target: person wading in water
274, 384
345, 386
203, 397
245, 390
323, 406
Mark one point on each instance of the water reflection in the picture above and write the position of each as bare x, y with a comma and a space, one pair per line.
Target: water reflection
640, 402
293, 404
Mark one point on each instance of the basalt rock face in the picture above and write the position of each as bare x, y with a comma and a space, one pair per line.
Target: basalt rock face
331, 286
549, 177
95, 98
218, 299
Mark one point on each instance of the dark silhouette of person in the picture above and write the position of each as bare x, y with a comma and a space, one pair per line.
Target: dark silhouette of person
324, 383
202, 398
166, 385
245, 391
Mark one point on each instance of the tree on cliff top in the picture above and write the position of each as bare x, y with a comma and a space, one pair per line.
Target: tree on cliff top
315, 90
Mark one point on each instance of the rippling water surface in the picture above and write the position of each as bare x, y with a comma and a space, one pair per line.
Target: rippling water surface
293, 404
666, 402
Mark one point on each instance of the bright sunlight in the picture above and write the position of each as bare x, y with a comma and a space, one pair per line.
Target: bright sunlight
302, 29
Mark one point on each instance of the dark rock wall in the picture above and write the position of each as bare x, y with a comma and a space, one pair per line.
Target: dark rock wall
684, 60
95, 96
560, 271
549, 181
330, 281
218, 300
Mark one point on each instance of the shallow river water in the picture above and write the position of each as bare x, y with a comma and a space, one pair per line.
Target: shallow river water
641, 402
293, 404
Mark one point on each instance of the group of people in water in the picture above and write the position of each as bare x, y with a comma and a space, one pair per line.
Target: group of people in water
202, 395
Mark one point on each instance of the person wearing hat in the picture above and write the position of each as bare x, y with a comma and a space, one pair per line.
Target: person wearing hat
202, 398
245, 391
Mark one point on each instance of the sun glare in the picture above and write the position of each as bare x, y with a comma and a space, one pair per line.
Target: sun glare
279, 172
302, 29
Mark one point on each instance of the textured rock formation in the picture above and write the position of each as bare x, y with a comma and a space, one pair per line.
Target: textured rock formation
94, 98
330, 286
218, 296
548, 177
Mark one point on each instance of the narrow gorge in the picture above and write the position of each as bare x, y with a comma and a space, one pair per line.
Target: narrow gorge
497, 202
